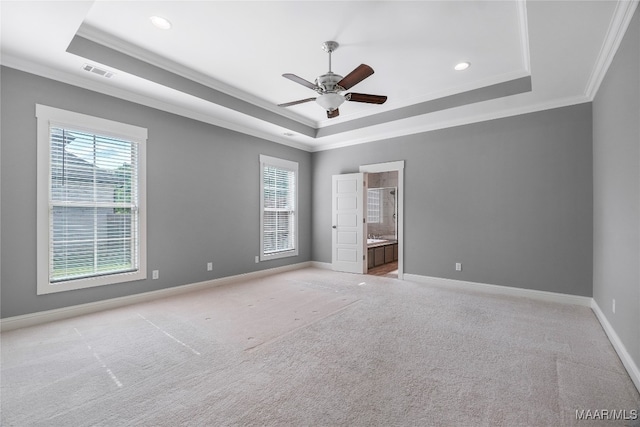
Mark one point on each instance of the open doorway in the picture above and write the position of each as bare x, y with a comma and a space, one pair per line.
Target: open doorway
382, 224
349, 242
385, 229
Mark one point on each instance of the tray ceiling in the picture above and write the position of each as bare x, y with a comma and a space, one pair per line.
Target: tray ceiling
222, 62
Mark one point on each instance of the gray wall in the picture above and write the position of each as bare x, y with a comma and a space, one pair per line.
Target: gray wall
202, 195
616, 192
511, 199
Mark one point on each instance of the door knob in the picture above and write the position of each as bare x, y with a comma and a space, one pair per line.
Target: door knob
334, 226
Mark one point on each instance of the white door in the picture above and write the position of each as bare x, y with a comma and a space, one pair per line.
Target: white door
348, 213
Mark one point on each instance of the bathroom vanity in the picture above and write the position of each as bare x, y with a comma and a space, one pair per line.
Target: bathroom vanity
381, 251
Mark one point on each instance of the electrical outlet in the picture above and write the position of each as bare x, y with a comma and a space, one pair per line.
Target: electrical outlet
458, 266
155, 274
209, 266
613, 306
257, 259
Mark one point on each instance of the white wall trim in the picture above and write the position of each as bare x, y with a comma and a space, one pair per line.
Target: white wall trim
523, 22
322, 265
33, 319
383, 167
501, 290
615, 33
625, 357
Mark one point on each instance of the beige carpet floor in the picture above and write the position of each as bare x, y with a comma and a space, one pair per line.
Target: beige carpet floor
316, 348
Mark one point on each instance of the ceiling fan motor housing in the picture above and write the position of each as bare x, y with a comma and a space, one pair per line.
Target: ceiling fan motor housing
328, 83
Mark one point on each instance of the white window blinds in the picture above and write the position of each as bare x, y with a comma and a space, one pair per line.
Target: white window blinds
278, 207
91, 204
93, 212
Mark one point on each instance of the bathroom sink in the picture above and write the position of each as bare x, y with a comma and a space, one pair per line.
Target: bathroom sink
370, 241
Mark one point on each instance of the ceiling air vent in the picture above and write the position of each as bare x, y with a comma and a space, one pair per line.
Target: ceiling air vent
98, 71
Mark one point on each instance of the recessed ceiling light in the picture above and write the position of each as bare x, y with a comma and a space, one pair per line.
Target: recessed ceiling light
160, 22
462, 66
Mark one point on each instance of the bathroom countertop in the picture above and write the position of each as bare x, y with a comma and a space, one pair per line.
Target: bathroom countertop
383, 243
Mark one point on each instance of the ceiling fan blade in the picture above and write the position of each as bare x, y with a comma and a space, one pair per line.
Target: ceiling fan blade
334, 113
369, 99
300, 80
361, 72
301, 101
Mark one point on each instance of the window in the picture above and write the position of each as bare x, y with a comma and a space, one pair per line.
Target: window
91, 209
374, 208
278, 215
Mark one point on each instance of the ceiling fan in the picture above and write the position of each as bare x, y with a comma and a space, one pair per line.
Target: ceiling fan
330, 86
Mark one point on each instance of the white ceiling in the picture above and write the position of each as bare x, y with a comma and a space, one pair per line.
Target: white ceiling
243, 48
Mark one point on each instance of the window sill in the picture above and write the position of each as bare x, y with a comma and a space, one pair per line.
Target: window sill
44, 287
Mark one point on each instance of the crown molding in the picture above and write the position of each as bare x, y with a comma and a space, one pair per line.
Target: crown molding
444, 124
71, 79
63, 77
617, 28
524, 35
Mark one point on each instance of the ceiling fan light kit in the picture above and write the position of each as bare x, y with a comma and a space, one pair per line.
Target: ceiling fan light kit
330, 101
330, 86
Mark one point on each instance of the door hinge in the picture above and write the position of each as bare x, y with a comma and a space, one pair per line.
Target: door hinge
364, 220
363, 257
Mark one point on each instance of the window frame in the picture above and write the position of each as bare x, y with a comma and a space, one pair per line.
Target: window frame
46, 118
288, 166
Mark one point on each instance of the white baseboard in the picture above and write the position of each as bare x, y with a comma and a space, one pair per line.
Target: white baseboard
624, 355
322, 265
41, 317
501, 290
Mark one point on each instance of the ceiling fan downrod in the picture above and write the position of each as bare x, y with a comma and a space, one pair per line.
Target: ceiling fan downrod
328, 83
329, 47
